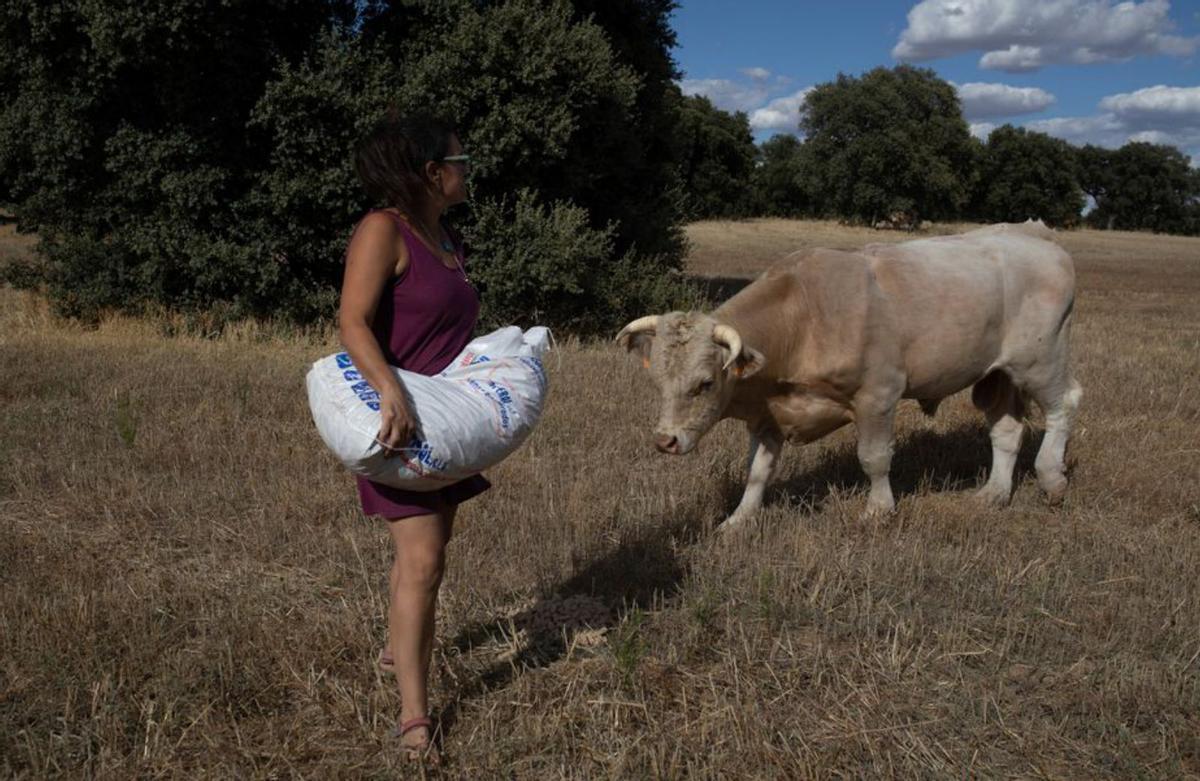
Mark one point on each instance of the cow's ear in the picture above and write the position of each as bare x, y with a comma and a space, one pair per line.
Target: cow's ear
749, 363
637, 342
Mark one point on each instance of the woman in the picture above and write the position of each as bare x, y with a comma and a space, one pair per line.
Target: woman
406, 301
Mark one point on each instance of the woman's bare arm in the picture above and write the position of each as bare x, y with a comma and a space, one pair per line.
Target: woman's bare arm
371, 261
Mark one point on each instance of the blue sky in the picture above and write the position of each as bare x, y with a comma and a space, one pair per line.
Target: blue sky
1088, 71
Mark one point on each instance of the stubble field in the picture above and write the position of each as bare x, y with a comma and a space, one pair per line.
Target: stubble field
190, 590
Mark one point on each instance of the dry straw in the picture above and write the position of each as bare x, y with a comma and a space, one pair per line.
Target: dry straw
190, 590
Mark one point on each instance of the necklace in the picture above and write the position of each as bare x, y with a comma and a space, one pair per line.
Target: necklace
444, 244
461, 269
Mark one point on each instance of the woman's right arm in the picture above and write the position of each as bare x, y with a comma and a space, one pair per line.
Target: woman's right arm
371, 261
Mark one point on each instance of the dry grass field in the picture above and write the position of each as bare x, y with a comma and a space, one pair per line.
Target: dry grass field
189, 589
13, 244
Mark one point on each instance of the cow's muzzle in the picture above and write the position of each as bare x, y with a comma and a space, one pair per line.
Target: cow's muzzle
667, 443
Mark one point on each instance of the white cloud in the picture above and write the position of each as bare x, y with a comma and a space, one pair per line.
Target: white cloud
1157, 115
980, 100
781, 114
1014, 59
1153, 137
982, 130
1024, 35
1156, 106
727, 95
1102, 129
754, 98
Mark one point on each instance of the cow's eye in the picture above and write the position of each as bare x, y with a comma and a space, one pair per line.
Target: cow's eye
704, 386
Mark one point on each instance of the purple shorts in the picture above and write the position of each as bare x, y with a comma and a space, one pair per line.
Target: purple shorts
395, 503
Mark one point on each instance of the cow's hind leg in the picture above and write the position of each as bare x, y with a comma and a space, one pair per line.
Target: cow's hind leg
1059, 401
1051, 385
1001, 402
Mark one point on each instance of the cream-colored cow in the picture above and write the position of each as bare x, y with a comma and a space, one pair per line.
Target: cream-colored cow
831, 338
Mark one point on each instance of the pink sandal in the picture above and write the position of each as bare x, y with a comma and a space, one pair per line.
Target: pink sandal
424, 751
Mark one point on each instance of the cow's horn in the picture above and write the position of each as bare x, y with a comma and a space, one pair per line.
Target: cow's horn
647, 323
728, 336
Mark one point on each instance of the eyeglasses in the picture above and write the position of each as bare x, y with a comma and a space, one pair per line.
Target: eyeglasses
464, 159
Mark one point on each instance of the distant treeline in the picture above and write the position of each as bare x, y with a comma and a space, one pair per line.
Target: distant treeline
197, 155
892, 147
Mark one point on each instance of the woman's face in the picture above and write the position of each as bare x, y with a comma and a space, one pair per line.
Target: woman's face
450, 178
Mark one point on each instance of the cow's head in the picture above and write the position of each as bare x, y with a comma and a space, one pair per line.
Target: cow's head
696, 363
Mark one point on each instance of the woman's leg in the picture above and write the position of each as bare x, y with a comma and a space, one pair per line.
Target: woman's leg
419, 544
385, 657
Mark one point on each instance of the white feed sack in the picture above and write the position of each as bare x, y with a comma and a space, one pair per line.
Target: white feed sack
469, 417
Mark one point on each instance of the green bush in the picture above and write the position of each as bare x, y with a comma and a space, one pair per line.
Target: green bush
537, 263
197, 156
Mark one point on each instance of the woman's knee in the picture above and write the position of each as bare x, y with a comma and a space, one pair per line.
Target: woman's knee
421, 565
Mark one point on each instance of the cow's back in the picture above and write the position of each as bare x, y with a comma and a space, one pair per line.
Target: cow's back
963, 305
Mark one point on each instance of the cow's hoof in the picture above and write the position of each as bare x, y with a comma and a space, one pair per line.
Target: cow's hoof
1055, 489
990, 496
732, 525
876, 513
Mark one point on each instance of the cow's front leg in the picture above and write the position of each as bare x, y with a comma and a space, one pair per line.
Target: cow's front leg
764, 456
876, 442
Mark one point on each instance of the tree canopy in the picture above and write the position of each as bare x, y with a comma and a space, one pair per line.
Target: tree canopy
199, 155
893, 140
1141, 186
780, 182
716, 158
1027, 175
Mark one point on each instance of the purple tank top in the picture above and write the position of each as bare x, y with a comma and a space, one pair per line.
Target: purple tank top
427, 315
423, 319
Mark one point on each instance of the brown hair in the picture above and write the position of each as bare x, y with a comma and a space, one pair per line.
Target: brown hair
390, 160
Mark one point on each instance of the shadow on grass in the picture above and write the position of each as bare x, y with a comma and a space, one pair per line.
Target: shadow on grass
632, 576
648, 567
956, 460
